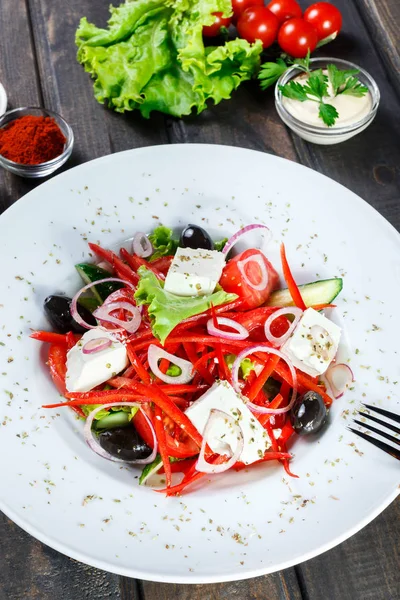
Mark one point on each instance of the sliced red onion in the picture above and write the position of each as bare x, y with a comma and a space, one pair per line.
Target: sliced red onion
154, 354
141, 245
96, 345
205, 467
74, 308
279, 341
339, 377
321, 341
264, 273
235, 379
241, 332
103, 313
94, 445
236, 237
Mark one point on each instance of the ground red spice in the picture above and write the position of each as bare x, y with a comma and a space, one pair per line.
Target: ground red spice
31, 140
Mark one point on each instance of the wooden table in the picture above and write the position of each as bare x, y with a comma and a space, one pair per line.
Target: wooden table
38, 67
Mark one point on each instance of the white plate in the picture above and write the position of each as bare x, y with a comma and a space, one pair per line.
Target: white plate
3, 100
241, 525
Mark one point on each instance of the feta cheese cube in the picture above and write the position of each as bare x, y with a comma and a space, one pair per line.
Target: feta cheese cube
194, 272
86, 371
309, 348
222, 438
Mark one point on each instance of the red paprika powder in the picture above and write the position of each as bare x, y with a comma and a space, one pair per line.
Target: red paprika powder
31, 140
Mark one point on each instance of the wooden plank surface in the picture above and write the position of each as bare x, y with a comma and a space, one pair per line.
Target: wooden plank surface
19, 78
368, 164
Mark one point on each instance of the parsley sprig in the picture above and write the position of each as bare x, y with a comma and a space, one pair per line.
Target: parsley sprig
316, 87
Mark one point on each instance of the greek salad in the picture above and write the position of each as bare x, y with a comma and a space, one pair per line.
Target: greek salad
188, 358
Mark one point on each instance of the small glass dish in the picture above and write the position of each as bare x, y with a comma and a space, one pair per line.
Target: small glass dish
45, 168
327, 135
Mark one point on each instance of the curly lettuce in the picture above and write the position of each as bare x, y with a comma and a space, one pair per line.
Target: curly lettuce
167, 310
152, 57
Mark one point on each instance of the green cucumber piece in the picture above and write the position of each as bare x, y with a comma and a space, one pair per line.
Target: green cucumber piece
90, 273
150, 470
88, 302
317, 292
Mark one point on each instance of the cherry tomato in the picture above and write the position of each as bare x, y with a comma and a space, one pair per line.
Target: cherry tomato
325, 18
258, 23
214, 29
237, 278
285, 9
296, 37
239, 6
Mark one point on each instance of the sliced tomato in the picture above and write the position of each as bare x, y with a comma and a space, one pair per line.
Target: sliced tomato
251, 276
180, 446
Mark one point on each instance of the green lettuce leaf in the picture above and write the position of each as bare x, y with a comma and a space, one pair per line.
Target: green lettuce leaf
163, 242
167, 310
152, 57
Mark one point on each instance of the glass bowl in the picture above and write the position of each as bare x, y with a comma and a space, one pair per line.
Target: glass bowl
324, 135
45, 168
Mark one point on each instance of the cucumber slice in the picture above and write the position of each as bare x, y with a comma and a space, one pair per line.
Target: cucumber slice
90, 273
150, 470
88, 302
318, 292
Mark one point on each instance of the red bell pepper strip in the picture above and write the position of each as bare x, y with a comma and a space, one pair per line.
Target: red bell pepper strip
135, 262
268, 456
275, 403
137, 365
169, 389
144, 393
303, 380
57, 364
121, 269
163, 263
192, 355
181, 466
50, 337
290, 282
162, 443
70, 340
191, 477
265, 374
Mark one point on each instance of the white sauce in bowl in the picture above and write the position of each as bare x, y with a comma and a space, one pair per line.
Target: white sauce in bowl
351, 109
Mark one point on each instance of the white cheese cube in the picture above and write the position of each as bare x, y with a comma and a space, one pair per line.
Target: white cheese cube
309, 348
222, 438
86, 371
194, 272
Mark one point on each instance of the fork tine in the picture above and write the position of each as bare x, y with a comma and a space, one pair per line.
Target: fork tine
383, 412
389, 437
385, 447
384, 423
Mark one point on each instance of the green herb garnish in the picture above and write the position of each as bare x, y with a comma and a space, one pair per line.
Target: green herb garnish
316, 89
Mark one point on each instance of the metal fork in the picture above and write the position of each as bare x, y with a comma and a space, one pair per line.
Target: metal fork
395, 452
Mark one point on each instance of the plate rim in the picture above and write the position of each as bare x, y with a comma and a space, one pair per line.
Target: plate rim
192, 578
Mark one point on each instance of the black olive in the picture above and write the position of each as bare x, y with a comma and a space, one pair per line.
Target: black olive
124, 443
195, 237
309, 414
57, 310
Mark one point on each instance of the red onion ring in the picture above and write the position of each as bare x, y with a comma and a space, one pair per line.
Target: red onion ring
103, 314
74, 308
205, 467
154, 354
279, 341
232, 240
141, 245
264, 273
96, 345
94, 445
241, 332
339, 377
235, 379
